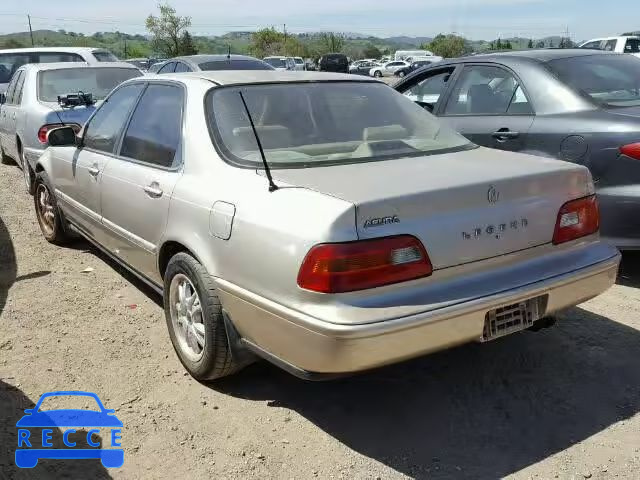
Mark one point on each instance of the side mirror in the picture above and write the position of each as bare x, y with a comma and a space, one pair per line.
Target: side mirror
61, 137
3, 98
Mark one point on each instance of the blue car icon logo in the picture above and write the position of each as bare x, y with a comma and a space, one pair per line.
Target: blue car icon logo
110, 453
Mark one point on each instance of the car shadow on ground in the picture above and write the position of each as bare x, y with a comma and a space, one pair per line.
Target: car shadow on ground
8, 266
477, 411
13, 402
629, 273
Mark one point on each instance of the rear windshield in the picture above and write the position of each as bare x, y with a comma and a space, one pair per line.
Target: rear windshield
10, 62
276, 62
234, 65
334, 59
610, 80
97, 81
105, 56
314, 124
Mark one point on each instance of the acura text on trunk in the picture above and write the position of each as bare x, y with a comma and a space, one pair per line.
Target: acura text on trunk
321, 221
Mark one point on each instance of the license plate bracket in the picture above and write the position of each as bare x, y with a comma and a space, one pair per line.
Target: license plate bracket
513, 318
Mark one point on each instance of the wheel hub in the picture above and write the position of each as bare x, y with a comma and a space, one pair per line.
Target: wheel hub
186, 317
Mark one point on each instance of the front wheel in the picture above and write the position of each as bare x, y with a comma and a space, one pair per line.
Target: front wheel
377, 74
49, 216
401, 74
195, 320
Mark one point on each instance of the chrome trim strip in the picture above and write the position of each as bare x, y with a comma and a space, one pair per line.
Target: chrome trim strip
130, 237
77, 206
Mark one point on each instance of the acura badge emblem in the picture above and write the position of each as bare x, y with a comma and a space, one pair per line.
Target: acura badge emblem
493, 195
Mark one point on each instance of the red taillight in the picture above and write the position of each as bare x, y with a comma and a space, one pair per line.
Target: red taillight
42, 133
577, 218
632, 150
346, 267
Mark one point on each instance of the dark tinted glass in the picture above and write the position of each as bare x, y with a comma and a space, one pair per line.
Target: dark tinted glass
235, 65
10, 62
105, 126
55, 57
275, 62
632, 45
17, 95
12, 88
154, 132
608, 79
168, 68
182, 67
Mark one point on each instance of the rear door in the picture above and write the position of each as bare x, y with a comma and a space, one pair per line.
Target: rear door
6, 113
489, 105
78, 175
138, 184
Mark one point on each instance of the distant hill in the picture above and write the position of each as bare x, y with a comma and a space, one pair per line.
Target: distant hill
126, 45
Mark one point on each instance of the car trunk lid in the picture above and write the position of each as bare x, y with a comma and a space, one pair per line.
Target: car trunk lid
464, 207
78, 115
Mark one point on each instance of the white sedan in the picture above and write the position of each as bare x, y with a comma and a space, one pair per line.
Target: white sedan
388, 69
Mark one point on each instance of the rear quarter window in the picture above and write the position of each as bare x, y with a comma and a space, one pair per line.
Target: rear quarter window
104, 56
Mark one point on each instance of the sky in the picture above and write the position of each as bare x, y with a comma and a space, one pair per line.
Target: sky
475, 19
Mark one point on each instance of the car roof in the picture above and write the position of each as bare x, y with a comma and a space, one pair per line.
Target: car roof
243, 77
541, 55
211, 58
54, 49
68, 65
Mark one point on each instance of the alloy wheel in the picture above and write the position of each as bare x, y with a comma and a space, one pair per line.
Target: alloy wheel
46, 213
186, 317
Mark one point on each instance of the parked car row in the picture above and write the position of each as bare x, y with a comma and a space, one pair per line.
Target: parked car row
203, 185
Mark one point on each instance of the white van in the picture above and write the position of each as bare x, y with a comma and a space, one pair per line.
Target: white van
404, 54
13, 58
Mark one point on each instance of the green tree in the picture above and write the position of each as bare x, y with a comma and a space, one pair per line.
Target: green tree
166, 30
448, 46
507, 45
267, 41
13, 43
331, 42
499, 45
530, 45
187, 46
371, 51
540, 44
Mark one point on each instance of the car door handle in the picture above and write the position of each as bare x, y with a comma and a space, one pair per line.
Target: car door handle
153, 190
94, 171
505, 134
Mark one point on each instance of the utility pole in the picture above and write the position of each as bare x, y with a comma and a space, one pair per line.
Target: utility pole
285, 39
125, 48
30, 30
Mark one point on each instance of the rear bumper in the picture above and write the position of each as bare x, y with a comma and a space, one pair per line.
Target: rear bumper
620, 213
313, 345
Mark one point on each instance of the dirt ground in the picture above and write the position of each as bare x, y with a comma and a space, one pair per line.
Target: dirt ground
561, 403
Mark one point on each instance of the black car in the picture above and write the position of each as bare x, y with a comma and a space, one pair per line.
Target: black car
361, 67
198, 63
414, 66
582, 106
334, 62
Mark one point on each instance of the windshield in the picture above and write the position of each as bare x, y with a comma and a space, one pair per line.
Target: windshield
97, 81
234, 65
314, 124
299, 61
276, 62
612, 80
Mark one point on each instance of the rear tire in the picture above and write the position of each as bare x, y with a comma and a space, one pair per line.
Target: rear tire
49, 216
377, 74
185, 323
401, 74
3, 158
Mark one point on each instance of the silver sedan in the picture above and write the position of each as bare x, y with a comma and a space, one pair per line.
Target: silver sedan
321, 221
45, 96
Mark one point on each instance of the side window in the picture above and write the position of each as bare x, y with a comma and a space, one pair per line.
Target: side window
154, 133
430, 89
168, 68
610, 45
594, 45
54, 57
104, 128
17, 95
182, 67
12, 88
487, 90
